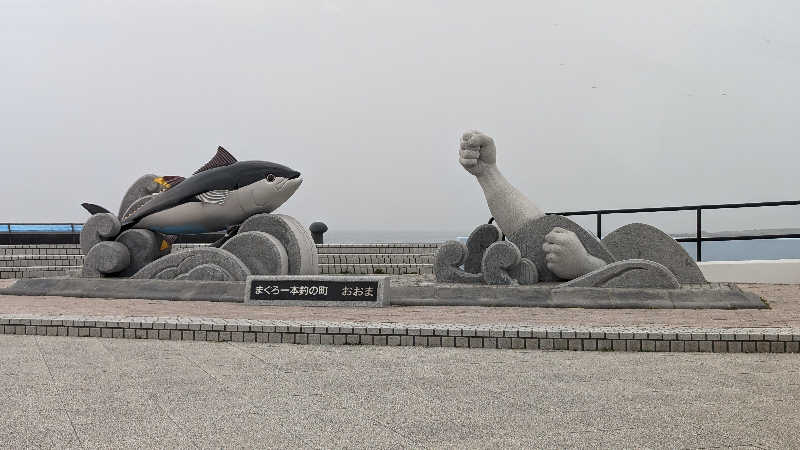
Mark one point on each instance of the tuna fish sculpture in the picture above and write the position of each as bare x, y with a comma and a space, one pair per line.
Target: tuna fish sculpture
222, 195
217, 196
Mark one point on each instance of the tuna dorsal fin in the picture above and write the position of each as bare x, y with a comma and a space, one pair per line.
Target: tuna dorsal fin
173, 180
221, 159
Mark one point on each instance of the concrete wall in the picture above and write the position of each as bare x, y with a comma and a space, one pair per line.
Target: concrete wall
34, 261
779, 271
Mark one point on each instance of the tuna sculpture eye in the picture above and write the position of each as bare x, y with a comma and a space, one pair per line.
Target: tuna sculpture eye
270, 177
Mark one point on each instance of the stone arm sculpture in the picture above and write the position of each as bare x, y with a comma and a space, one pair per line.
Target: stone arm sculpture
565, 254
510, 207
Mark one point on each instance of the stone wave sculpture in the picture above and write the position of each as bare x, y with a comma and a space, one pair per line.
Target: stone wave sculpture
266, 244
552, 248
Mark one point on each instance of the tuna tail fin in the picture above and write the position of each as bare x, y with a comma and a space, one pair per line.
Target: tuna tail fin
94, 209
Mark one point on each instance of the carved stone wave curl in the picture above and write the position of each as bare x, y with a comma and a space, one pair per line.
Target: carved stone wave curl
99, 227
485, 259
221, 265
267, 244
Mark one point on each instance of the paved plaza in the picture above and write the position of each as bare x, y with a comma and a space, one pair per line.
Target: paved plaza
67, 392
87, 392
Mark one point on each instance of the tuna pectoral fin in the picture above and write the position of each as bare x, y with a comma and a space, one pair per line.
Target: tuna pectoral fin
231, 233
94, 209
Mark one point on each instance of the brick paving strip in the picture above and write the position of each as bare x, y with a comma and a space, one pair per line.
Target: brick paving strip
720, 340
773, 330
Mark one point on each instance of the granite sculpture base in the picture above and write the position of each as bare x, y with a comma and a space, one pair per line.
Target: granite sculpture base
635, 256
266, 244
403, 292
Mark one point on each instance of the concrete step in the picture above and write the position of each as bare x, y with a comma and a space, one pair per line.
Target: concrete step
33, 261
403, 248
326, 258
375, 269
400, 248
36, 271
328, 269
40, 260
9, 250
376, 258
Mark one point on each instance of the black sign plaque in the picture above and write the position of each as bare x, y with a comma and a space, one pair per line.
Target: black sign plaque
318, 290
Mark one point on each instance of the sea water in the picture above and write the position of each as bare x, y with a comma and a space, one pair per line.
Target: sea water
769, 249
764, 249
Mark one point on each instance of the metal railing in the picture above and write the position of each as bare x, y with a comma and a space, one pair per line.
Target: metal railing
70, 232
33, 233
35, 227
698, 239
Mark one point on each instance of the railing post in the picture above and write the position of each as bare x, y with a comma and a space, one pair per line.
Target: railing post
599, 225
699, 235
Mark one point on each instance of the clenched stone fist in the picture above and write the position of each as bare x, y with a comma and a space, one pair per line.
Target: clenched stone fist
566, 256
477, 152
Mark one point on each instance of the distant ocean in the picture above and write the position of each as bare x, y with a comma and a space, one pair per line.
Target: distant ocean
768, 249
712, 251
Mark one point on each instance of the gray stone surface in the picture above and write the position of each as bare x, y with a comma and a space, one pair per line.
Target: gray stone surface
479, 240
177, 264
447, 262
143, 187
144, 247
123, 393
642, 241
687, 297
709, 296
206, 272
525, 272
296, 239
631, 273
543, 295
170, 273
127, 288
530, 238
105, 258
497, 260
99, 227
382, 294
262, 253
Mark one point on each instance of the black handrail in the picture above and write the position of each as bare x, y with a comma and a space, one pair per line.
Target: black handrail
10, 236
71, 236
698, 239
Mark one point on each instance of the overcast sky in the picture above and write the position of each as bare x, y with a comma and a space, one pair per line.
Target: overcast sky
593, 104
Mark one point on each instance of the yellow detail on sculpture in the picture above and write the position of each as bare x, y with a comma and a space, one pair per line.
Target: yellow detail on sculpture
162, 182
